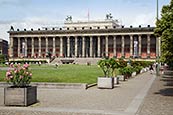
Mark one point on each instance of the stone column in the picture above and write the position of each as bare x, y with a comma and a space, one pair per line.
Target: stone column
122, 50
32, 42
114, 40
11, 46
106, 46
76, 46
39, 46
26, 47
61, 47
131, 45
68, 46
98, 47
83, 46
46, 45
91, 46
139, 46
54, 49
148, 45
18, 47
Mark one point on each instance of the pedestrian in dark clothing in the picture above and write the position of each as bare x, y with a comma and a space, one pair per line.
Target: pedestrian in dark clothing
151, 69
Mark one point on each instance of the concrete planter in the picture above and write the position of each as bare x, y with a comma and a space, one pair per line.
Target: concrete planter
105, 82
121, 77
145, 69
133, 74
20, 96
116, 80
142, 71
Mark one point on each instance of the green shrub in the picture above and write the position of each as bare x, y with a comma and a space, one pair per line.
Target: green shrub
2, 59
126, 71
122, 63
141, 63
29, 61
108, 66
138, 69
105, 66
19, 76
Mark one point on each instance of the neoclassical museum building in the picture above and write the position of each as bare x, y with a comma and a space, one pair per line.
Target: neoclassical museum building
84, 40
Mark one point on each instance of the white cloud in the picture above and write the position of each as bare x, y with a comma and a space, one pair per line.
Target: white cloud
140, 19
144, 19
27, 23
39, 22
3, 31
14, 2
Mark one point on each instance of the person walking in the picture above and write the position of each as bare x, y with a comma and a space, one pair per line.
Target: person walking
151, 69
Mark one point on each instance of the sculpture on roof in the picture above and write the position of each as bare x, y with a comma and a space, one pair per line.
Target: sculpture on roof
68, 18
11, 28
109, 16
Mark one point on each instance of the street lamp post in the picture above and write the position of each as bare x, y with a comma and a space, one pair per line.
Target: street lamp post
158, 41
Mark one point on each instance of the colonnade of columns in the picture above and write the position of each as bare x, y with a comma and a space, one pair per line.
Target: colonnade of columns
97, 46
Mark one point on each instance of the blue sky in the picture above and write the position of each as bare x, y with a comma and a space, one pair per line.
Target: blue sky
39, 13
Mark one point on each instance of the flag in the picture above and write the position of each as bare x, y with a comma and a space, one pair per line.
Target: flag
88, 15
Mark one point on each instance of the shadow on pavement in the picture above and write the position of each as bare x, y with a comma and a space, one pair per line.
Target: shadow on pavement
165, 92
168, 83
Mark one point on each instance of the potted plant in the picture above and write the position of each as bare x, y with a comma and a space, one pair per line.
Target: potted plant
108, 67
19, 93
114, 65
122, 64
126, 71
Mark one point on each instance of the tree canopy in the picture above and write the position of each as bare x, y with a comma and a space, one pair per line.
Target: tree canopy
164, 30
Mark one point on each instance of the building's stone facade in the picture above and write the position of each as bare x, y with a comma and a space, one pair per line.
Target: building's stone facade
4, 47
85, 42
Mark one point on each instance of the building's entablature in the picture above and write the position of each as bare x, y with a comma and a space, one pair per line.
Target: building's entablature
61, 32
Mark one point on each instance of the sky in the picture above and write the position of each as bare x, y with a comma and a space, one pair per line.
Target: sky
52, 13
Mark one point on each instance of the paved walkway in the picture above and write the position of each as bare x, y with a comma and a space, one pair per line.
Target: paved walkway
159, 100
125, 99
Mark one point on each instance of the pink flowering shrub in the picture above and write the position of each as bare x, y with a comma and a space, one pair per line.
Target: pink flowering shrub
18, 75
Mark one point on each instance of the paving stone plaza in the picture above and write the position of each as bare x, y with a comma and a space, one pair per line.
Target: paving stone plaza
144, 94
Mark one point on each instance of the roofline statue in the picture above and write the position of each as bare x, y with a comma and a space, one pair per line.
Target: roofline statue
109, 16
11, 28
68, 18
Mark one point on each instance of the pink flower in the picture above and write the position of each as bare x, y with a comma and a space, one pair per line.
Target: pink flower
30, 74
21, 77
18, 65
17, 74
8, 73
26, 65
23, 68
11, 65
16, 71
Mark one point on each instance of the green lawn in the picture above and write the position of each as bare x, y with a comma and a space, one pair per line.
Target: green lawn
63, 74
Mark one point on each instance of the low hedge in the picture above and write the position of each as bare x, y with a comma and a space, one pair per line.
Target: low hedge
28, 61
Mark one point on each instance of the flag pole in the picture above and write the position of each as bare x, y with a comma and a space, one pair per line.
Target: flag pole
88, 15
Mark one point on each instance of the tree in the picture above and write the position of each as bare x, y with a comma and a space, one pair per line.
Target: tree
164, 30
